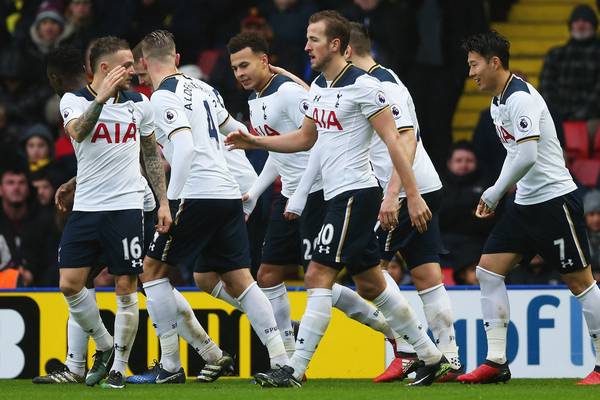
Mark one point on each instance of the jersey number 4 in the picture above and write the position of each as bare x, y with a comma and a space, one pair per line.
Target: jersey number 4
212, 129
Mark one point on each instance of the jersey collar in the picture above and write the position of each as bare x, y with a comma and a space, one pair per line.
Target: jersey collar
341, 73
373, 68
88, 87
264, 88
498, 99
169, 76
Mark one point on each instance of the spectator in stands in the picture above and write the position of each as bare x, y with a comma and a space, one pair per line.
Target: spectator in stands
38, 145
463, 234
287, 19
26, 230
591, 209
570, 77
20, 95
45, 185
438, 71
80, 26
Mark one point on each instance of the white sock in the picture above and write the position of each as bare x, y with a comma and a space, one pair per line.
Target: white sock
260, 314
496, 313
192, 332
280, 303
312, 328
77, 344
126, 325
590, 304
357, 308
219, 292
162, 308
402, 320
169, 351
402, 346
84, 310
438, 312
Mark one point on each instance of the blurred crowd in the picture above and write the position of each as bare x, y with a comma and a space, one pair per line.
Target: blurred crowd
419, 39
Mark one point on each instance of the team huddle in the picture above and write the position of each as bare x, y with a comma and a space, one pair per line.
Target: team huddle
358, 187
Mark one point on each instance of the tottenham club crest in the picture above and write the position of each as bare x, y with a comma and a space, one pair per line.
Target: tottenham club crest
66, 113
524, 124
395, 111
170, 116
131, 111
381, 99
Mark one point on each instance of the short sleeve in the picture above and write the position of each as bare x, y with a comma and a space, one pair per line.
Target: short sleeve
169, 114
400, 103
71, 107
147, 123
370, 96
296, 102
525, 117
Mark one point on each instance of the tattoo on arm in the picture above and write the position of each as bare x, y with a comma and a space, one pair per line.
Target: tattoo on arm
83, 126
154, 168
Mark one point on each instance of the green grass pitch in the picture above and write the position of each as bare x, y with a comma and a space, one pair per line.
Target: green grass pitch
318, 389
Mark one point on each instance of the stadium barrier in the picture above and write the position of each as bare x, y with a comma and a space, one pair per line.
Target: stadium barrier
547, 334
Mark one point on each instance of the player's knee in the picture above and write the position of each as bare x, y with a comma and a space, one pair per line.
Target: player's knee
69, 287
268, 276
206, 281
153, 269
369, 290
578, 282
125, 284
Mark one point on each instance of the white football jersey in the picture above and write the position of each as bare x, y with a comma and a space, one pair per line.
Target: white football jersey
521, 114
237, 162
179, 103
341, 110
405, 116
278, 109
108, 160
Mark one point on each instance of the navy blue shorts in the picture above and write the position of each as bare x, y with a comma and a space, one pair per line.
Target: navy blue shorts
416, 248
291, 242
116, 237
205, 229
554, 229
347, 236
149, 228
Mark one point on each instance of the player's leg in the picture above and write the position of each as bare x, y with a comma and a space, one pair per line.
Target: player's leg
122, 237
210, 282
80, 246
569, 247
281, 254
371, 284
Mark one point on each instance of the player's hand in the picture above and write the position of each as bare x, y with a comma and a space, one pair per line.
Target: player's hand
240, 140
290, 216
487, 203
483, 211
249, 202
278, 70
419, 212
108, 87
388, 213
164, 220
63, 198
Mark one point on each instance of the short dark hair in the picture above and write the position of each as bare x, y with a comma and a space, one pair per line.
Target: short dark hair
256, 43
158, 44
104, 46
489, 44
137, 52
461, 145
359, 39
336, 26
65, 61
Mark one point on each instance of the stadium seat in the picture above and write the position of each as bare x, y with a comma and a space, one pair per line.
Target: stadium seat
586, 172
577, 140
596, 144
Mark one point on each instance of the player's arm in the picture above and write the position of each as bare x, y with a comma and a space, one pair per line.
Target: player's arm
297, 202
231, 125
265, 179
525, 115
383, 123
388, 213
79, 128
300, 140
63, 198
286, 73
